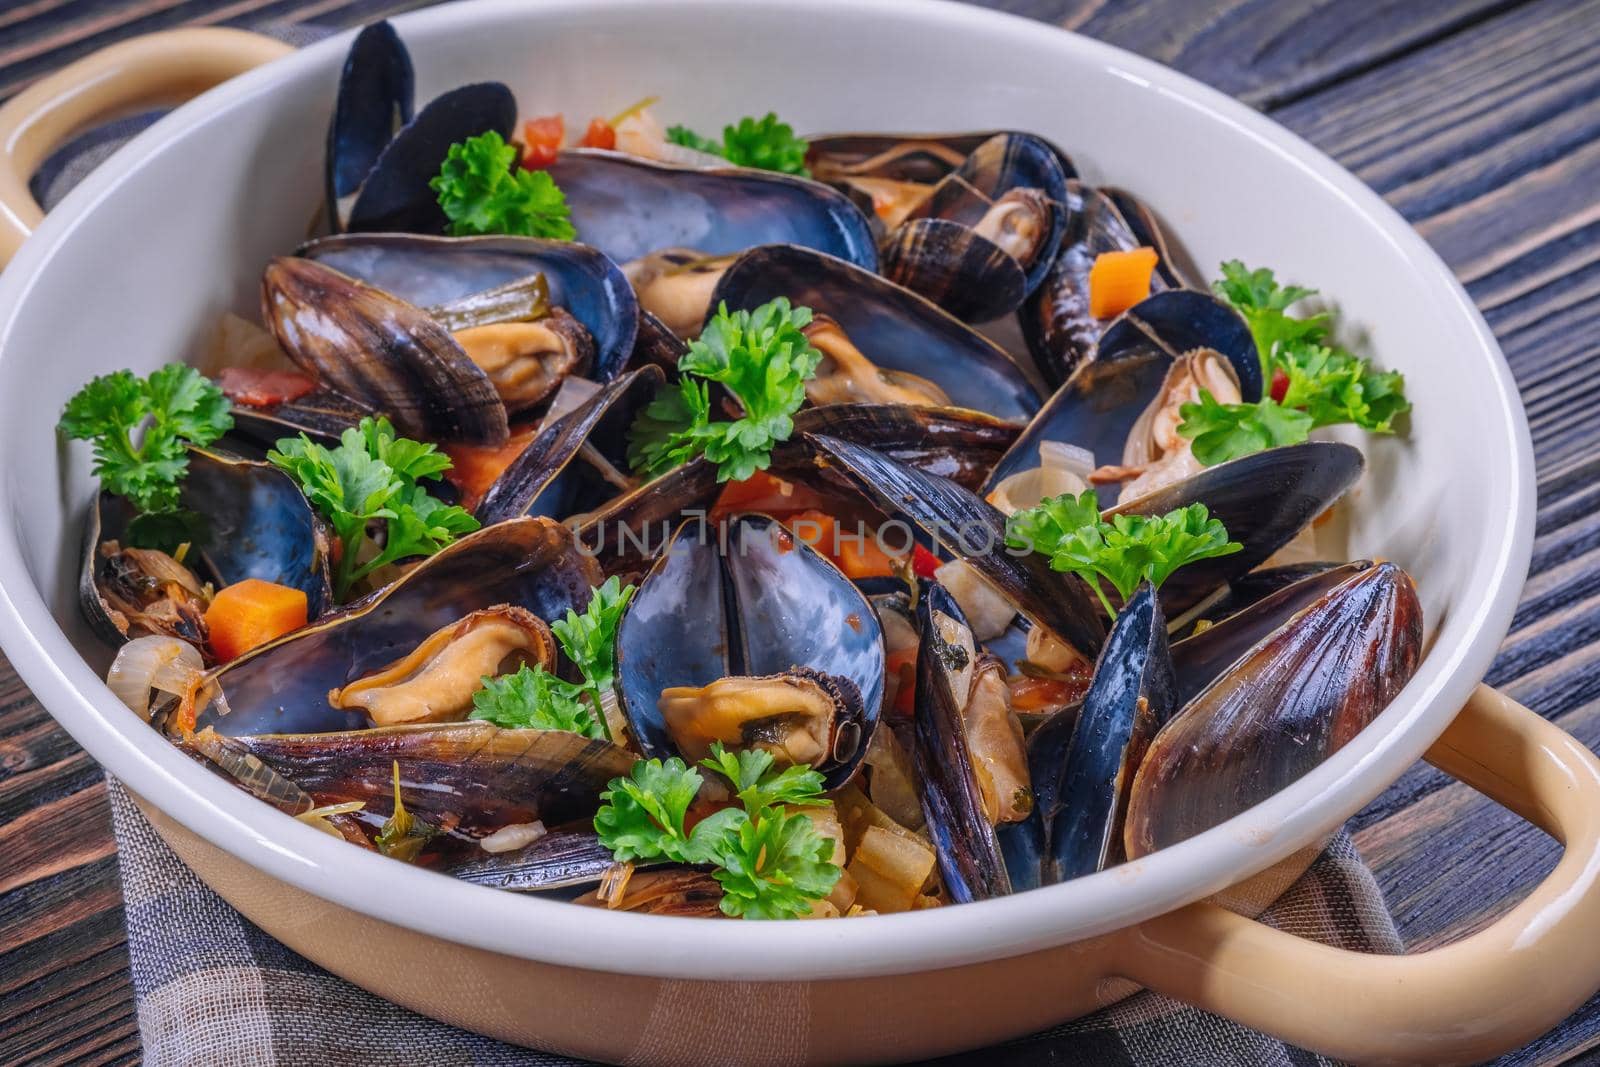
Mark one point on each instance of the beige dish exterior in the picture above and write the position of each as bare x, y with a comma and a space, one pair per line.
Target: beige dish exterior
1461, 1003
1458, 1004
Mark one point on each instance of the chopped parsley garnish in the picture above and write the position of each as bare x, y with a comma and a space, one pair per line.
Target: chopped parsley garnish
535, 699
764, 143
1311, 381
373, 475
771, 863
759, 356
481, 190
1124, 551
175, 406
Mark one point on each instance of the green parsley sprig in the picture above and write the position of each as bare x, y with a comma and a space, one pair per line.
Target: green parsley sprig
770, 862
175, 406
1311, 381
1124, 551
373, 476
764, 143
482, 191
764, 360
536, 699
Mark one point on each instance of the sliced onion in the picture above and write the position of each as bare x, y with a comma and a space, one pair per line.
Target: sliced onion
1062, 456
1063, 468
515, 836
987, 612
145, 663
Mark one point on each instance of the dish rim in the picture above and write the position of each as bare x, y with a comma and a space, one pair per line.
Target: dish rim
594, 939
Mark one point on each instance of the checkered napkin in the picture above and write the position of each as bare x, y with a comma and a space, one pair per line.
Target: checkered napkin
214, 990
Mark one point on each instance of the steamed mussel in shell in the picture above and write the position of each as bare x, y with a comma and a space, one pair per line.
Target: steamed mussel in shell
676, 567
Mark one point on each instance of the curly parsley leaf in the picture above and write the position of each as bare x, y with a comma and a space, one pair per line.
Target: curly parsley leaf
175, 406
534, 699
764, 143
589, 640
402, 835
1221, 432
770, 863
764, 360
642, 816
1124, 551
481, 190
355, 485
754, 783
773, 865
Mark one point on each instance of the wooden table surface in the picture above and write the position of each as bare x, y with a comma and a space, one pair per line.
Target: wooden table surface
1478, 119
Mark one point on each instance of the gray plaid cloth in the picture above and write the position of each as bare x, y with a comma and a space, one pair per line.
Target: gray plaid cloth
213, 989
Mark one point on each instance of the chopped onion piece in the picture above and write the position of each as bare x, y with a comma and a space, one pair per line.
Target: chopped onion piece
145, 663
987, 612
515, 836
1062, 456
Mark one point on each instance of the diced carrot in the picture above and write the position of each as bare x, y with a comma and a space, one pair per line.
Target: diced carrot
600, 134
859, 555
1119, 280
263, 388
474, 468
816, 529
250, 613
542, 139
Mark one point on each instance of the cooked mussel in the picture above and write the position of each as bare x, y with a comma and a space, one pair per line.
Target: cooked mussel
380, 351
249, 520
470, 776
675, 286
465, 282
784, 652
895, 329
375, 100
1083, 766
436, 680
986, 234
629, 207
1283, 707
284, 687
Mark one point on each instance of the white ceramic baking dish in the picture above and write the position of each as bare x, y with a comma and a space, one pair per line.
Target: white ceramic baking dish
134, 267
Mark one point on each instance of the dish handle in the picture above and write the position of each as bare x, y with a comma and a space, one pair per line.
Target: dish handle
1464, 1002
139, 74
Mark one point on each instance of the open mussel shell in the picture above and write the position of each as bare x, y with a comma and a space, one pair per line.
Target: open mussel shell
1247, 590
1174, 269
1083, 766
1264, 499
381, 352
396, 197
893, 327
1055, 320
758, 603
628, 207
907, 157
948, 442
970, 861
564, 858
321, 415
534, 483
436, 272
1098, 406
283, 687
375, 96
468, 775
967, 527
1282, 708
251, 522
966, 274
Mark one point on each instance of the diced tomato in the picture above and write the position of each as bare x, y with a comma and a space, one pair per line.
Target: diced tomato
474, 468
923, 562
542, 139
263, 388
903, 665
1038, 694
599, 135
1280, 385
767, 494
